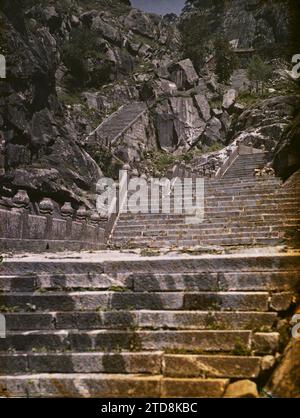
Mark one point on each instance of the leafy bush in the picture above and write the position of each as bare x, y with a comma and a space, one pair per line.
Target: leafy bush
226, 60
259, 72
82, 46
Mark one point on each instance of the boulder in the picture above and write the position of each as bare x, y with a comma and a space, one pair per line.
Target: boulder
157, 88
203, 107
213, 132
164, 122
178, 123
188, 125
285, 381
184, 74
141, 23
265, 123
106, 30
229, 99
242, 389
287, 152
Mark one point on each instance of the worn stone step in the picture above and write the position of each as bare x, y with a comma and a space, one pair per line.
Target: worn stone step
248, 221
126, 228
106, 340
247, 281
96, 362
217, 213
90, 301
200, 232
234, 367
154, 244
45, 282
147, 282
181, 242
109, 386
80, 385
143, 319
166, 264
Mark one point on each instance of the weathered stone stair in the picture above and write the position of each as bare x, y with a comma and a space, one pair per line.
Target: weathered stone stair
142, 327
245, 165
120, 121
244, 211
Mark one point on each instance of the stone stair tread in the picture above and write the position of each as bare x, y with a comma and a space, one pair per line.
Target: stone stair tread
110, 386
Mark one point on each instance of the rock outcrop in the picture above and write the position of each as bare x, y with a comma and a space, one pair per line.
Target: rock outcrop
249, 24
285, 382
264, 123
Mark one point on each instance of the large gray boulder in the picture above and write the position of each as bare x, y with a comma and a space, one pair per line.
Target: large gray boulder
229, 99
106, 30
213, 132
203, 106
187, 124
184, 74
158, 88
178, 123
142, 23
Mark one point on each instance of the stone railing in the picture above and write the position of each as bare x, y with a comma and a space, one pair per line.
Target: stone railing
49, 228
228, 163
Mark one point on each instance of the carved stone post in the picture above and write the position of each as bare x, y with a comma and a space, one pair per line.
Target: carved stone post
21, 202
81, 216
67, 214
46, 207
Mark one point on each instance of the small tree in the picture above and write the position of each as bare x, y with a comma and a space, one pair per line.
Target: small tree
259, 72
194, 33
226, 60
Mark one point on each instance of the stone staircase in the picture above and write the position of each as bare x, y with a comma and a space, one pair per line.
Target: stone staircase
141, 327
122, 325
121, 120
245, 165
238, 211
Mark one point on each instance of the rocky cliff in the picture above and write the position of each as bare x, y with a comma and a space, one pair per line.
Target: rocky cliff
69, 65
258, 24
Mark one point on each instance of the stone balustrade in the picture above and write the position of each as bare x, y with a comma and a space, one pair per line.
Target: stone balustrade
23, 230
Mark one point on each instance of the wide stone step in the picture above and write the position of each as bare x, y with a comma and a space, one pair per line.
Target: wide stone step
143, 319
196, 241
247, 281
179, 221
109, 386
230, 242
98, 362
222, 341
200, 232
44, 341
148, 282
148, 363
234, 226
212, 201
233, 367
220, 212
90, 301
167, 264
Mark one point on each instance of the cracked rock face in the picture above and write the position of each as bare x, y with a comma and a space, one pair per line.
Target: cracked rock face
284, 382
265, 122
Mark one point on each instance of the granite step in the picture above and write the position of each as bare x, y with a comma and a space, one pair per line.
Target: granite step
60, 385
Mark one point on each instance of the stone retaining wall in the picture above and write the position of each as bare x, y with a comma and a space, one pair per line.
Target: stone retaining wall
21, 230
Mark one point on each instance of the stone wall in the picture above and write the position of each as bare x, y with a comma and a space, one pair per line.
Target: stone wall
22, 230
